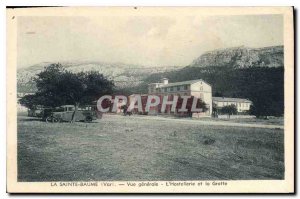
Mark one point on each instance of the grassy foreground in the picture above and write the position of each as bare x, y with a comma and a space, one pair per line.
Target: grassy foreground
126, 148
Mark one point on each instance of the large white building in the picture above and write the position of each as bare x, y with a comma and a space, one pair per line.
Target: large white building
196, 88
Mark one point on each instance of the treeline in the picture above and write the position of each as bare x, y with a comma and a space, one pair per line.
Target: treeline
264, 86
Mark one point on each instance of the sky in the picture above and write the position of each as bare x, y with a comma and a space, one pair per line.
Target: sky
141, 40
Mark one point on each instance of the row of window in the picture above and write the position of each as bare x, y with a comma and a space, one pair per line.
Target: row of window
173, 88
245, 105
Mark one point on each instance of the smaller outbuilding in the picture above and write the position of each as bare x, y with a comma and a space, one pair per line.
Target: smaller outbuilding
242, 105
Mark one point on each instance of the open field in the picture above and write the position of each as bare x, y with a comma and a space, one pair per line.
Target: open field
133, 148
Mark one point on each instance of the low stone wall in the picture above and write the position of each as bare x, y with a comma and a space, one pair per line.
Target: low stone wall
235, 116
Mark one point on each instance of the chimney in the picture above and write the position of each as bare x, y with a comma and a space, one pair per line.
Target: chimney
165, 81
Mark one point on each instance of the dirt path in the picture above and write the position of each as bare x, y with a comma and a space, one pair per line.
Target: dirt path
213, 123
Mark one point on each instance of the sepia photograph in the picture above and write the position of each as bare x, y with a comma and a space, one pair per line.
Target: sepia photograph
150, 99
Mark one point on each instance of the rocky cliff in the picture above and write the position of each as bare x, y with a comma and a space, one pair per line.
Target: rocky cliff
241, 57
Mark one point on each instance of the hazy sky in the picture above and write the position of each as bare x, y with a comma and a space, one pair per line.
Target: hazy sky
149, 41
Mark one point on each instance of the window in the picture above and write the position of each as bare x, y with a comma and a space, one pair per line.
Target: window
165, 89
178, 88
185, 87
171, 89
59, 109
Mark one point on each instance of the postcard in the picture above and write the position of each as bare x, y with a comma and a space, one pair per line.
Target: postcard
150, 100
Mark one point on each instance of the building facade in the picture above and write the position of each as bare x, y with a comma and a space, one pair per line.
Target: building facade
242, 105
196, 88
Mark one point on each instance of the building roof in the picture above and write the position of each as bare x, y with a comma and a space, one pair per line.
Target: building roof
138, 94
154, 83
67, 106
182, 83
228, 99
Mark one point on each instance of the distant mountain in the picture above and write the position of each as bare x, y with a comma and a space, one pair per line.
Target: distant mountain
242, 57
124, 75
130, 76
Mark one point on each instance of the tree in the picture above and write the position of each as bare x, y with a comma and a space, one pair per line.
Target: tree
229, 110
264, 109
265, 88
29, 101
199, 105
56, 86
214, 110
124, 108
33, 100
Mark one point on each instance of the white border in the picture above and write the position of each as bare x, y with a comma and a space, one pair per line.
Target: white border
3, 194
